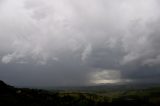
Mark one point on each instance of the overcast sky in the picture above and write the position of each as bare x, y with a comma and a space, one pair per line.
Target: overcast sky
79, 42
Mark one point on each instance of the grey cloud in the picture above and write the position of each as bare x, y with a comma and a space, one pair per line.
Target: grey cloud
106, 57
63, 42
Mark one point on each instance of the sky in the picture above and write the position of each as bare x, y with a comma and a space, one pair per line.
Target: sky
79, 42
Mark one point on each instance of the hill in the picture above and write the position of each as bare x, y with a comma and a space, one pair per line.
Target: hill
10, 95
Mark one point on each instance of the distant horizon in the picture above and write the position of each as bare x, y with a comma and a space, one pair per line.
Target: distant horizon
63, 87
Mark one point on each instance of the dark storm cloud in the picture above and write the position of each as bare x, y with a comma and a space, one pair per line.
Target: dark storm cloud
106, 57
70, 42
68, 72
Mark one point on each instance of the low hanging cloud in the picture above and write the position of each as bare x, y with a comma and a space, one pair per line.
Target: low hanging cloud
70, 42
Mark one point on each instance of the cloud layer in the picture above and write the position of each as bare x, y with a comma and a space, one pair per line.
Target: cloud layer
71, 42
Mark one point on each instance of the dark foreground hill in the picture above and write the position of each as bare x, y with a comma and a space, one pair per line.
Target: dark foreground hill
10, 96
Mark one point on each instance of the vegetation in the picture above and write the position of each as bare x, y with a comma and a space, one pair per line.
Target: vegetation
34, 97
